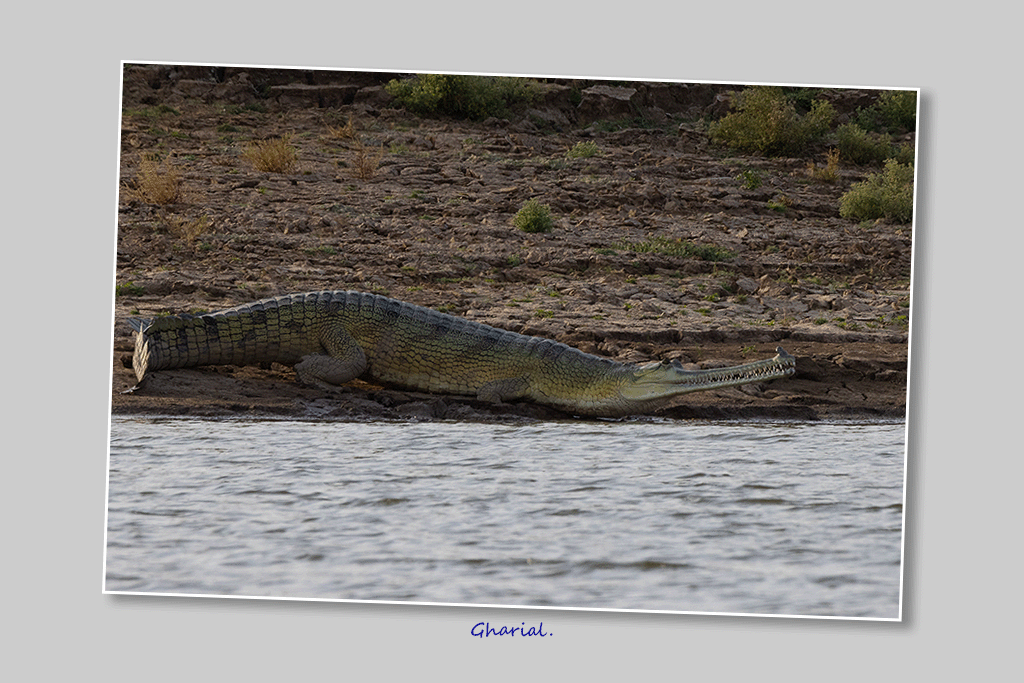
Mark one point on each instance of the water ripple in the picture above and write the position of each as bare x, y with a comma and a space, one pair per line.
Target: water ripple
770, 518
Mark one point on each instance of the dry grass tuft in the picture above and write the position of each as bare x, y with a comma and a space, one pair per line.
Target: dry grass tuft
365, 163
346, 132
276, 155
186, 230
156, 182
830, 172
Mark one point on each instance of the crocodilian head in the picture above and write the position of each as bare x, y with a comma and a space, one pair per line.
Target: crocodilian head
668, 378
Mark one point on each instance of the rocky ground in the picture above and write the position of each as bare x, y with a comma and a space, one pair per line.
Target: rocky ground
421, 209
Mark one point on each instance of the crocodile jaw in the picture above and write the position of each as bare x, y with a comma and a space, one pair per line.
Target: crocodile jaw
664, 380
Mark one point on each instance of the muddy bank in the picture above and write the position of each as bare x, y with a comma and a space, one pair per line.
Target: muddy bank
421, 210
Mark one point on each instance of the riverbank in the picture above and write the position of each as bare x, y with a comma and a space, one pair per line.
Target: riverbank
663, 246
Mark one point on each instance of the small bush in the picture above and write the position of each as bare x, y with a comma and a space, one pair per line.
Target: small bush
899, 109
155, 183
276, 155
752, 179
534, 217
894, 111
858, 146
889, 195
462, 97
904, 153
765, 121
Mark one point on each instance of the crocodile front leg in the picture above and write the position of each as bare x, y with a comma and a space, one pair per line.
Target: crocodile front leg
343, 362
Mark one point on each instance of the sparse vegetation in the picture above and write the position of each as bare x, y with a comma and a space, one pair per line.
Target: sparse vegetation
276, 155
128, 289
582, 150
780, 203
153, 112
656, 236
765, 121
678, 247
534, 216
460, 96
888, 195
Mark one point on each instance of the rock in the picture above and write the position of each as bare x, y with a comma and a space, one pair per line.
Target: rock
555, 96
551, 118
772, 288
648, 306
606, 102
719, 107
302, 95
747, 285
824, 302
372, 98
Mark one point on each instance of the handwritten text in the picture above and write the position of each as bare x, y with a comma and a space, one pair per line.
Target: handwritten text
485, 630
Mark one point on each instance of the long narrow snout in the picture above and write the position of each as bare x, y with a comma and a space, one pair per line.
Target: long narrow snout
668, 378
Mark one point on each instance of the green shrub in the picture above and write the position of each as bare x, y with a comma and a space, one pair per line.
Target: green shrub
899, 109
904, 153
889, 195
752, 179
858, 146
802, 98
534, 217
895, 111
463, 97
766, 121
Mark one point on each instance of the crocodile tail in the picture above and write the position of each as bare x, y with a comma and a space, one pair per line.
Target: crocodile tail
139, 324
140, 359
149, 351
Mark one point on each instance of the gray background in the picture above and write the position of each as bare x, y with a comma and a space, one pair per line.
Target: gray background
61, 114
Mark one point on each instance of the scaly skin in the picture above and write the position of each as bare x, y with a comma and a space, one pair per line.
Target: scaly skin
334, 337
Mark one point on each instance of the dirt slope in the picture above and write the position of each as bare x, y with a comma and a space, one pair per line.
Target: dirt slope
421, 209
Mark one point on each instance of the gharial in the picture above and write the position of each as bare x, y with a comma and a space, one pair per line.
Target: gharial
333, 337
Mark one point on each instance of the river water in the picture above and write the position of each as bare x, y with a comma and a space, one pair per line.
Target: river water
775, 518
